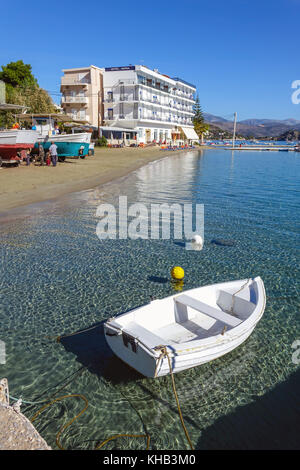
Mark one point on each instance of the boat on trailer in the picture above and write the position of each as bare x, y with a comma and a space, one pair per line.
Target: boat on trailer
187, 329
12, 142
68, 145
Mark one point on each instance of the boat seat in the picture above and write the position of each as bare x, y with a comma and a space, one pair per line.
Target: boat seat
196, 304
240, 303
145, 336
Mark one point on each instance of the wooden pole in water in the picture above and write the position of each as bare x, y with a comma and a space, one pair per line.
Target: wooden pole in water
234, 129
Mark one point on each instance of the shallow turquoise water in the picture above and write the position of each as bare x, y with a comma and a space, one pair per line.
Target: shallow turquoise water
58, 278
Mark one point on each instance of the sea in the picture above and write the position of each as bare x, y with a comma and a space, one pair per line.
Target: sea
59, 283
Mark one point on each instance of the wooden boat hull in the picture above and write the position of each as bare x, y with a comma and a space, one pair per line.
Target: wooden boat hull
68, 145
144, 363
13, 141
9, 152
68, 149
148, 361
18, 137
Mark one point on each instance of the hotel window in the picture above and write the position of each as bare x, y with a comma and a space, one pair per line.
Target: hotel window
122, 92
110, 96
136, 93
110, 113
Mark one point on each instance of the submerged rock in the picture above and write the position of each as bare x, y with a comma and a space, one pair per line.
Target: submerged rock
222, 242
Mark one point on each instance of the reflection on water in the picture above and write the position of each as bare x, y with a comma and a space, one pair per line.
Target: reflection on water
57, 278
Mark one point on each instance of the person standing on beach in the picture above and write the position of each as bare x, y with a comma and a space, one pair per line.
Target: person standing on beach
27, 157
41, 154
53, 153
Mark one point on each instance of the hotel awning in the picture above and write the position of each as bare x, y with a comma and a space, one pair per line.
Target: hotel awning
117, 129
190, 133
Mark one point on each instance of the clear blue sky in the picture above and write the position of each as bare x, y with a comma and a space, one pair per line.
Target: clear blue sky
242, 55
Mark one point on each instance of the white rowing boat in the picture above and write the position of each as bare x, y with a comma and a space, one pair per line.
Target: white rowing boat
192, 328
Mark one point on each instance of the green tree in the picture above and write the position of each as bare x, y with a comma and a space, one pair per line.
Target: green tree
200, 125
17, 74
22, 88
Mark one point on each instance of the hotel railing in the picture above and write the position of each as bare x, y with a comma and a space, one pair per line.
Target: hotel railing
147, 118
131, 98
74, 99
74, 81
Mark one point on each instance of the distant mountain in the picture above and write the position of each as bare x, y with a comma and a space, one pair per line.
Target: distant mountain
255, 127
290, 135
211, 118
216, 133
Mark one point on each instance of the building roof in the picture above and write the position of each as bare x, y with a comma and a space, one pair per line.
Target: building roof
82, 68
8, 107
59, 117
177, 79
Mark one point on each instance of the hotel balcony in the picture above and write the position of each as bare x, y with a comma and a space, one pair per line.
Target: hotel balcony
149, 118
77, 117
74, 99
170, 91
153, 101
73, 81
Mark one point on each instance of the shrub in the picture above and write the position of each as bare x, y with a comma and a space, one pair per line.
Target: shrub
102, 142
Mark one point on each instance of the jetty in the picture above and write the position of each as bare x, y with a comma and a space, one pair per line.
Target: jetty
16, 431
263, 148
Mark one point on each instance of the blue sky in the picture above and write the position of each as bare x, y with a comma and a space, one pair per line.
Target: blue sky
242, 55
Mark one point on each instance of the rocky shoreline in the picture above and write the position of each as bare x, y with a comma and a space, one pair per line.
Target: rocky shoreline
17, 432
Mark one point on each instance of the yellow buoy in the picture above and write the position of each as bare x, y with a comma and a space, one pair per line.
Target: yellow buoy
177, 273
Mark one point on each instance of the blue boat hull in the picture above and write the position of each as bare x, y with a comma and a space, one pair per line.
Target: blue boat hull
68, 149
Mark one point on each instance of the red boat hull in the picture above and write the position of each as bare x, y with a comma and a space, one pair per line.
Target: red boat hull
9, 152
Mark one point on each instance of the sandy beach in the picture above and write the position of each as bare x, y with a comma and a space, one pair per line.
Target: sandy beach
26, 185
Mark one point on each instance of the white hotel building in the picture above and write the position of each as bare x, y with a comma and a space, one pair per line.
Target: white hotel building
137, 101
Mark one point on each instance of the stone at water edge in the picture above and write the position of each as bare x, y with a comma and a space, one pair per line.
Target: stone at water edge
222, 242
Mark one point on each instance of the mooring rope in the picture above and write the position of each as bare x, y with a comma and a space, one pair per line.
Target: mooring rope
147, 436
164, 353
102, 444
69, 422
